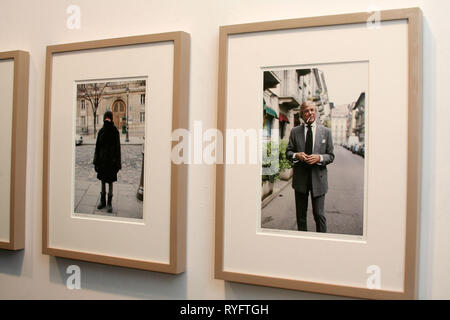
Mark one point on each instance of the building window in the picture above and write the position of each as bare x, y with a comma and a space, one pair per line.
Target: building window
83, 120
83, 104
143, 98
142, 117
282, 129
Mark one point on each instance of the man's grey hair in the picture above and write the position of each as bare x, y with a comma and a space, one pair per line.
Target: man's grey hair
307, 103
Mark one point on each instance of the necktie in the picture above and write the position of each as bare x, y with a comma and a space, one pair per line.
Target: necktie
309, 141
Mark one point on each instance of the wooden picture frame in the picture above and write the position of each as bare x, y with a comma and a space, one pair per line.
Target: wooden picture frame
413, 76
177, 184
18, 153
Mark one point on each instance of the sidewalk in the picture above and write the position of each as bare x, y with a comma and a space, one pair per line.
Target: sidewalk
277, 188
124, 201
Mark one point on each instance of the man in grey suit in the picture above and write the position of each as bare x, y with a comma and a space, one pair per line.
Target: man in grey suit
311, 149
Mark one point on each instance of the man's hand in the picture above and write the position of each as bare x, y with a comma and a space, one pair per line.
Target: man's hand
301, 156
312, 159
309, 159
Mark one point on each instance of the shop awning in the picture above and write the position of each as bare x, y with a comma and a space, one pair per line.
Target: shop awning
270, 111
284, 118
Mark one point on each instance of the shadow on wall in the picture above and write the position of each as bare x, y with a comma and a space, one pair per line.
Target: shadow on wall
121, 281
429, 135
11, 262
239, 291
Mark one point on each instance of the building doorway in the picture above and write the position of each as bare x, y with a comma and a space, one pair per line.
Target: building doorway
118, 110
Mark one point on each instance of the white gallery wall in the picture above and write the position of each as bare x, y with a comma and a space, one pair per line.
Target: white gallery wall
32, 25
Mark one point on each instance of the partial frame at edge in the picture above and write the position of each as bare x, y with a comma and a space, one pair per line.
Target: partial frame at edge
18, 149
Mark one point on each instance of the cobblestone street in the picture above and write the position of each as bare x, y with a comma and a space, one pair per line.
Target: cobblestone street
88, 187
131, 164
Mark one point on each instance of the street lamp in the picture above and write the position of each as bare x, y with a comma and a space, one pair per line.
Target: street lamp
96, 101
127, 139
86, 112
140, 192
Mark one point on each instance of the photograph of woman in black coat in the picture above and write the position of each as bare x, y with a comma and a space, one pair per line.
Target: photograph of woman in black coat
111, 151
107, 158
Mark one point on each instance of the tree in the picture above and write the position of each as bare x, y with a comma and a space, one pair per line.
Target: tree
93, 93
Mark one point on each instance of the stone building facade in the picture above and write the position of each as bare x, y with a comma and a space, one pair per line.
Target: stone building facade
360, 111
339, 124
120, 97
285, 91
356, 120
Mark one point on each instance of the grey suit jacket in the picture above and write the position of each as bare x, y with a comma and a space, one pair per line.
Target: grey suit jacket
323, 145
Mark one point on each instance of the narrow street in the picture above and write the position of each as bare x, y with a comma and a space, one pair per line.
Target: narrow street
344, 202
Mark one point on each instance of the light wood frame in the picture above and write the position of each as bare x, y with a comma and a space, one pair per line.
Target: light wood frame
18, 149
178, 183
413, 16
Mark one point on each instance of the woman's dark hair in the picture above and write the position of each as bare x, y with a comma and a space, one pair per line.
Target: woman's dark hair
108, 114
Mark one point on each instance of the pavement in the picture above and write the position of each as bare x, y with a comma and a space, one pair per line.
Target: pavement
124, 201
87, 187
278, 186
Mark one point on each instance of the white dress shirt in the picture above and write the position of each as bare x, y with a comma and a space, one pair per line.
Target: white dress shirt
313, 129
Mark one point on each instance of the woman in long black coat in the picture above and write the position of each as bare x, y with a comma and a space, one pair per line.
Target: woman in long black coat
107, 158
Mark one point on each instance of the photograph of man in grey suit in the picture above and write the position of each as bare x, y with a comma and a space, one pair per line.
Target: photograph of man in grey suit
311, 149
315, 139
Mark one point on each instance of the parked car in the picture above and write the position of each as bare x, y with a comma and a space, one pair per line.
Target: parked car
358, 148
78, 140
362, 150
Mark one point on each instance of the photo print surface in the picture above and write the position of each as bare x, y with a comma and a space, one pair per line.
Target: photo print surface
109, 148
315, 144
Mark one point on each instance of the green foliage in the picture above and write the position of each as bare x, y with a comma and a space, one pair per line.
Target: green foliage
284, 162
274, 160
267, 154
271, 178
270, 162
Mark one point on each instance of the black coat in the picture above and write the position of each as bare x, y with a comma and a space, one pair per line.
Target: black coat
107, 160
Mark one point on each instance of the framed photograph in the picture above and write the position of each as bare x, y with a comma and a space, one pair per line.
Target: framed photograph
319, 186
14, 71
112, 195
